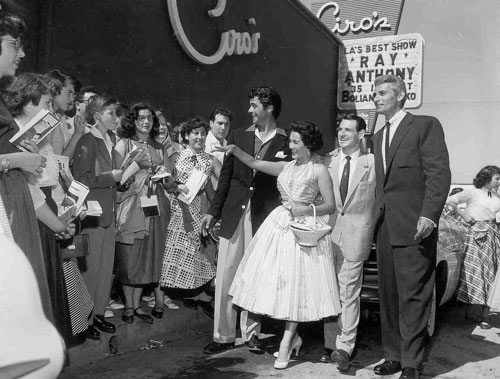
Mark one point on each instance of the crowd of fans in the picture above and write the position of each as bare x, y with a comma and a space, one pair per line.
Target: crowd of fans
143, 235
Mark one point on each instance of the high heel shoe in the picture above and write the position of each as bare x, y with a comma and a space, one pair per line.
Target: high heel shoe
296, 345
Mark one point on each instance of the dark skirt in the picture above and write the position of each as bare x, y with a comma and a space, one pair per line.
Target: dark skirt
140, 263
24, 225
55, 276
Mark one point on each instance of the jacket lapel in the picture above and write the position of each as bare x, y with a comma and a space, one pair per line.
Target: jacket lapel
403, 128
357, 175
334, 169
275, 145
248, 143
103, 151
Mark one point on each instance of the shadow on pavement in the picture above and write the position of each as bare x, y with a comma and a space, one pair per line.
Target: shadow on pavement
214, 368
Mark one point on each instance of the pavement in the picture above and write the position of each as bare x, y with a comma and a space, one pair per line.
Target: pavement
459, 349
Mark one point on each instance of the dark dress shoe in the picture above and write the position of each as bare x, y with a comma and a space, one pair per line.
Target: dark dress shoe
103, 325
410, 373
157, 312
143, 316
128, 317
92, 333
387, 368
343, 359
255, 345
190, 303
207, 308
216, 347
327, 356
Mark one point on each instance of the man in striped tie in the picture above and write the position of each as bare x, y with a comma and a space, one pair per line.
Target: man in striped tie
353, 175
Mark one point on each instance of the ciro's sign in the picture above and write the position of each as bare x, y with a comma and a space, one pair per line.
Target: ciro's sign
231, 42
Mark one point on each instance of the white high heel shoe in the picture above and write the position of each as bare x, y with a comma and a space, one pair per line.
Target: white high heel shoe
296, 345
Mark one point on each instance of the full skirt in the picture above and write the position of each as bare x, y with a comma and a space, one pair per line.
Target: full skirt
279, 278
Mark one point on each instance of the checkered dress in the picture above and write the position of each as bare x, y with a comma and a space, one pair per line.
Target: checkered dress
481, 257
184, 264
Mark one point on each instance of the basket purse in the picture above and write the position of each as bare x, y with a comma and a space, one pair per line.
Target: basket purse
309, 236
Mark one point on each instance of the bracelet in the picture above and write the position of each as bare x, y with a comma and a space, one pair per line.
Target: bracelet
5, 165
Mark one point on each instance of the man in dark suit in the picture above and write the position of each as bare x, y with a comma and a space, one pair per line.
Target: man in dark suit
413, 178
243, 200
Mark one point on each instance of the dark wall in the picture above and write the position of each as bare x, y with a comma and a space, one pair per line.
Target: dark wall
127, 48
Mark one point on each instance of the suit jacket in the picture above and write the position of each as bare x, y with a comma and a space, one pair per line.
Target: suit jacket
353, 222
417, 180
238, 183
92, 166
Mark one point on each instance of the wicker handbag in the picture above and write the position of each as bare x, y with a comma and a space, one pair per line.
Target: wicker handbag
309, 236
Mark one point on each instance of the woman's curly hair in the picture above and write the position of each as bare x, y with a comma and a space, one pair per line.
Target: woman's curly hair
310, 134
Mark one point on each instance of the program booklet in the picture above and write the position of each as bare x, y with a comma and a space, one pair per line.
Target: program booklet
37, 128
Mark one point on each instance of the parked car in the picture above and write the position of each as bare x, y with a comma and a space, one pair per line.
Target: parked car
448, 265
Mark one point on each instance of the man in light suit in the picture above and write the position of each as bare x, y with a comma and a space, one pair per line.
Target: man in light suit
353, 175
413, 180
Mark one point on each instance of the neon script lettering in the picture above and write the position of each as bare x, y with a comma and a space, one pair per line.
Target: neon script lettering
366, 24
231, 43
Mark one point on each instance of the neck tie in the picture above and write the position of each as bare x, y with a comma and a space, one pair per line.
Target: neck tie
386, 147
344, 182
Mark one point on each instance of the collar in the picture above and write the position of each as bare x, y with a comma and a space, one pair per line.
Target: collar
97, 134
211, 138
354, 155
397, 117
279, 130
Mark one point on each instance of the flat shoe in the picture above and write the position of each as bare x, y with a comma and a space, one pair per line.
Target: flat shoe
143, 316
171, 305
387, 368
128, 318
485, 325
327, 356
92, 333
103, 325
157, 312
343, 359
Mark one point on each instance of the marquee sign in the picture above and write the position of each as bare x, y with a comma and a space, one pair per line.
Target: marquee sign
351, 19
231, 42
362, 60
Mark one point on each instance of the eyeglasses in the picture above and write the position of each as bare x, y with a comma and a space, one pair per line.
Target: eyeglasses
18, 45
144, 118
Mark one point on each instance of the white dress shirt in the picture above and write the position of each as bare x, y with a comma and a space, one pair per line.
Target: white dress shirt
354, 160
395, 121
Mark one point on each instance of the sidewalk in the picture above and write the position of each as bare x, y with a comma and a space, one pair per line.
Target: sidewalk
130, 337
459, 350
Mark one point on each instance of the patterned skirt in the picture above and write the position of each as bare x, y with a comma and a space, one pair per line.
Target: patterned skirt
481, 257
184, 263
79, 299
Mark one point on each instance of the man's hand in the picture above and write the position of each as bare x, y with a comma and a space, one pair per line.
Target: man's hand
207, 221
117, 175
424, 228
80, 124
30, 146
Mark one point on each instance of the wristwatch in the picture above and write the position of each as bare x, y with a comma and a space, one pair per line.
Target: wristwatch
5, 165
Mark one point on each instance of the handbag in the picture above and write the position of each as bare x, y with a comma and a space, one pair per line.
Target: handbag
149, 203
309, 236
78, 246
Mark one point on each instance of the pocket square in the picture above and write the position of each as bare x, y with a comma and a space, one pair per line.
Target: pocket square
280, 155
